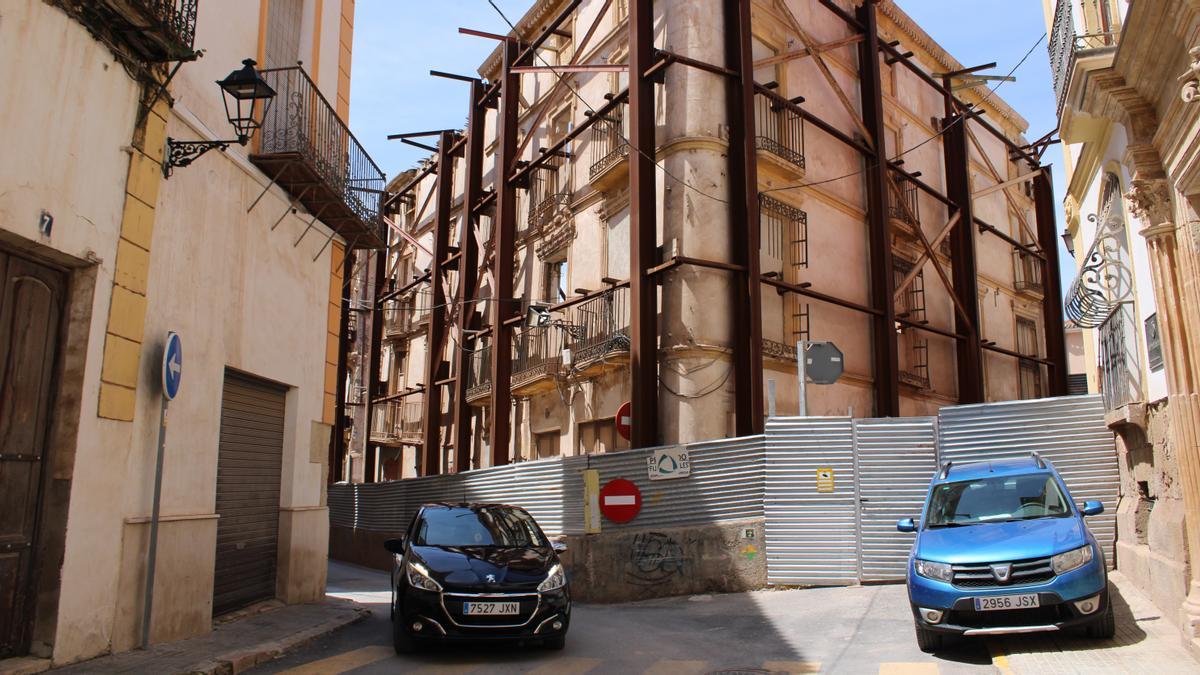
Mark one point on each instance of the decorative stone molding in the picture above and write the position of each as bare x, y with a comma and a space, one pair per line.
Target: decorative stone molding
1150, 200
1190, 90
1071, 210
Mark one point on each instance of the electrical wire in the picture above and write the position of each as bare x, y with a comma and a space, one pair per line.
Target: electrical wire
562, 79
936, 135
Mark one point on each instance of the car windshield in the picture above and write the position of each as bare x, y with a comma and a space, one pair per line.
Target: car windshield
996, 499
500, 527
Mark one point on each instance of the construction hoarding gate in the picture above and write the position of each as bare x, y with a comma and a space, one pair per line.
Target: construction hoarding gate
830, 489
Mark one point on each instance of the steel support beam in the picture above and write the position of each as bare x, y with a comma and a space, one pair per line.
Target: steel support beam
643, 295
373, 358
962, 247
468, 273
505, 228
337, 442
883, 326
744, 233
1052, 302
435, 343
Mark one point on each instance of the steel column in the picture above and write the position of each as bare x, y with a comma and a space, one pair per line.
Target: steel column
746, 314
643, 313
883, 326
1052, 303
337, 441
373, 359
435, 343
468, 271
505, 227
962, 245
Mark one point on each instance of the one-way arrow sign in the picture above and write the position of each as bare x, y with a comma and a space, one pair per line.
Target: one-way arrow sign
172, 366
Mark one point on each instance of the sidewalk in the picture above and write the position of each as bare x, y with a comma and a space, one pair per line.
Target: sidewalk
233, 646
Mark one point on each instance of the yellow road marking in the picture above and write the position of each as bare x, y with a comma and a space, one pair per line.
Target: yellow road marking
908, 669
792, 666
571, 665
674, 667
343, 662
999, 658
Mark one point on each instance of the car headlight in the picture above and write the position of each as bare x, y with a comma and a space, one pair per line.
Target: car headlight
934, 570
418, 577
1073, 559
556, 579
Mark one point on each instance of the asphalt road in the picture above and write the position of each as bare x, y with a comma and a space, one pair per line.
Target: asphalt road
865, 629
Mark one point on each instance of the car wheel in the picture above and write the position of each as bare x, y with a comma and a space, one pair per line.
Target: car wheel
556, 643
1105, 625
928, 641
401, 641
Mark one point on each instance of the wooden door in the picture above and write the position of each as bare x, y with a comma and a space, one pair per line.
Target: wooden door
31, 305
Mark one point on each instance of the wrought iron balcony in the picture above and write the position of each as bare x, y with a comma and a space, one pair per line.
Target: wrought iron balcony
599, 328
779, 131
307, 149
479, 378
1067, 47
909, 196
408, 314
609, 151
155, 30
537, 356
398, 421
1027, 272
1118, 357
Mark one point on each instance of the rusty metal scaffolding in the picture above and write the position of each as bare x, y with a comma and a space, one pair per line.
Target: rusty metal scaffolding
647, 66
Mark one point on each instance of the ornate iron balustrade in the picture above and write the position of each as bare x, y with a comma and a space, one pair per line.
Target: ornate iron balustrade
536, 352
306, 148
384, 426
779, 130
1066, 46
908, 195
1104, 280
1118, 385
479, 377
608, 146
778, 350
154, 31
1027, 272
412, 421
600, 326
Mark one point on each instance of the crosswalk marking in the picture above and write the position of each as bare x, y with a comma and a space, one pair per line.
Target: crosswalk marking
908, 669
676, 667
792, 666
569, 665
342, 663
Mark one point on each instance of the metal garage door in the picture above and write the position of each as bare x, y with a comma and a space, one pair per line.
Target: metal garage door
248, 471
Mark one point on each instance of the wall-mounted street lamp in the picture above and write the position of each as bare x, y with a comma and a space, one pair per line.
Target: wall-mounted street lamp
244, 91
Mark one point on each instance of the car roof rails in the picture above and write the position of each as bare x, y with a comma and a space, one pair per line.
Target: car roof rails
945, 471
1038, 459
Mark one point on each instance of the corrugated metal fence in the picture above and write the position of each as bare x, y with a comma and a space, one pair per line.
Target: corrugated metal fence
842, 533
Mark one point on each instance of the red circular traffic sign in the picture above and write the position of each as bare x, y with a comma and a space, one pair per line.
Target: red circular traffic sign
620, 500
624, 419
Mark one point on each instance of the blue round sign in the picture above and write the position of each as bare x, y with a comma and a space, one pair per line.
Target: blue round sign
172, 366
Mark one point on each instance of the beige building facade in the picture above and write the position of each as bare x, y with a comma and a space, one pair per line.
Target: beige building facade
573, 231
104, 252
1125, 79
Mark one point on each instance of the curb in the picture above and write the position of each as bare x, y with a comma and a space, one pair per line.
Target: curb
243, 660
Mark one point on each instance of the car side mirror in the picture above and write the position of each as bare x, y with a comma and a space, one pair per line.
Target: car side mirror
1092, 508
906, 525
395, 546
559, 547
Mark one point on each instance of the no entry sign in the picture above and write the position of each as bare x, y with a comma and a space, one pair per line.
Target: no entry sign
624, 419
620, 500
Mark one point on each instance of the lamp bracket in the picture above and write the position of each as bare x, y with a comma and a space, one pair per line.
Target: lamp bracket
183, 153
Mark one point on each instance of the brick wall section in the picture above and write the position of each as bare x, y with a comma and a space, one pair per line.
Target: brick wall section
345, 49
332, 339
127, 311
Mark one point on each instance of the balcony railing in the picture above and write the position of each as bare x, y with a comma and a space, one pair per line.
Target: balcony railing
311, 153
600, 326
1118, 351
479, 378
156, 30
1066, 46
401, 317
398, 421
608, 147
537, 352
1027, 272
909, 196
779, 130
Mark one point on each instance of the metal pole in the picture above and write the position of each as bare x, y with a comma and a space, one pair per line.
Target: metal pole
435, 344
1052, 321
468, 272
152, 555
505, 227
802, 373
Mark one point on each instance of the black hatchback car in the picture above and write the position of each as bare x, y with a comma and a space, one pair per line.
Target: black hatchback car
477, 572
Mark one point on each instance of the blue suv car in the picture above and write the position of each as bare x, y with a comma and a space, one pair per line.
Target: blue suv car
1002, 548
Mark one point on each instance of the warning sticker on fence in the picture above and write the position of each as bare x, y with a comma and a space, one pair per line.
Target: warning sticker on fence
824, 479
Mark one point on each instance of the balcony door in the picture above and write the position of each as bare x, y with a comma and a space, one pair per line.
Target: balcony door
283, 33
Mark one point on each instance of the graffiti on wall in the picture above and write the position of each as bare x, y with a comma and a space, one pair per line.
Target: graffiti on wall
655, 558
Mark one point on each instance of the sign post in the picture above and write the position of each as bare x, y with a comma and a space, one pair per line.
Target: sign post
172, 374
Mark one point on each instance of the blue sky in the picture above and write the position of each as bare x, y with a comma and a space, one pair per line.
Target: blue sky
397, 42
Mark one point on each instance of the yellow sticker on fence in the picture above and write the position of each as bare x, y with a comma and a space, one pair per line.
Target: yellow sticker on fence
824, 479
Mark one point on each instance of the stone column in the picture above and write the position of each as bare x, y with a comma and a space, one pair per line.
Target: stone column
1173, 272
